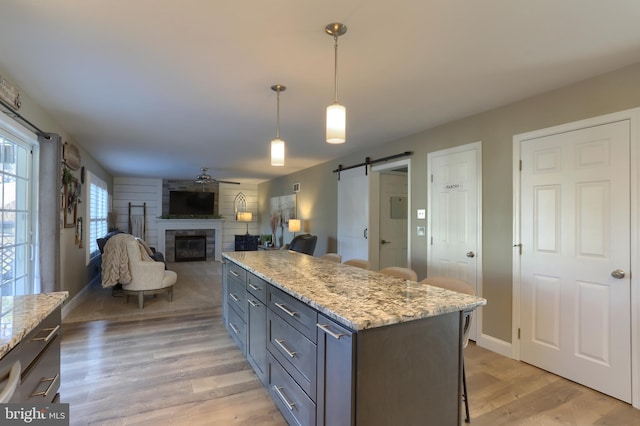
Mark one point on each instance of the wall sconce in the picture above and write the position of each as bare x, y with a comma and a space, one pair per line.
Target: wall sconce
294, 226
244, 217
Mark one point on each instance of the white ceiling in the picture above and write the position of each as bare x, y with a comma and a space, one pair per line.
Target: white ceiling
160, 88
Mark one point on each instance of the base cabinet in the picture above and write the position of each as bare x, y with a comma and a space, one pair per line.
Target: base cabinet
39, 356
319, 372
335, 381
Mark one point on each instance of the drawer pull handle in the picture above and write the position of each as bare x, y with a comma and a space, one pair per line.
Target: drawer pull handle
255, 287
52, 380
254, 304
234, 273
325, 328
284, 348
52, 332
287, 311
12, 383
233, 327
284, 399
234, 297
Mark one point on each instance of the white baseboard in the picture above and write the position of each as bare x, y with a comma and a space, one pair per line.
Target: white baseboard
495, 345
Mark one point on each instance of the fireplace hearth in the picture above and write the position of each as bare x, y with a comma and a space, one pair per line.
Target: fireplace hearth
190, 248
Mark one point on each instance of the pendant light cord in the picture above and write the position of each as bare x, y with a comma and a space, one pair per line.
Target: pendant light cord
278, 115
335, 71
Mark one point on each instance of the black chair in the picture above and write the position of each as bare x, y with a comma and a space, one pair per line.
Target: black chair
304, 243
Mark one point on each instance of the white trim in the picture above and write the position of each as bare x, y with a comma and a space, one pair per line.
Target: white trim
633, 115
80, 297
494, 344
474, 146
381, 168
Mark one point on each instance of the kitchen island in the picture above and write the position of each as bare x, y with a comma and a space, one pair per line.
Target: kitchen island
30, 346
335, 344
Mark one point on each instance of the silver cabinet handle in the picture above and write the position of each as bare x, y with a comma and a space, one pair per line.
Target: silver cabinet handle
471, 254
284, 399
287, 311
52, 332
234, 273
12, 383
234, 297
51, 381
618, 274
254, 304
284, 348
325, 328
254, 287
233, 327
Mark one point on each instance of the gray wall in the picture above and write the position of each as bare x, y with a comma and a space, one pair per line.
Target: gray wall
74, 272
605, 94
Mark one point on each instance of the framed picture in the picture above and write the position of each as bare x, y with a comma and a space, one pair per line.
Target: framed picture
70, 203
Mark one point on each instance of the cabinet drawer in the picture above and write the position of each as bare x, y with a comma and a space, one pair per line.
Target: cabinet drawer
293, 311
41, 381
236, 273
238, 330
257, 286
294, 404
39, 338
237, 297
296, 353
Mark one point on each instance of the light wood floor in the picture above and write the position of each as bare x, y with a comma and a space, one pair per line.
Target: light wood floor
182, 368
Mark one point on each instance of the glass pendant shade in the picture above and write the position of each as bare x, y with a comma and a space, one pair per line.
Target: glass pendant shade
277, 152
336, 123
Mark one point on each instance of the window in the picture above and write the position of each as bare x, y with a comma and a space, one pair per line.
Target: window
17, 215
98, 209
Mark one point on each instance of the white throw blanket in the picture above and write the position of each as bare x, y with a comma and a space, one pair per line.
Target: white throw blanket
115, 260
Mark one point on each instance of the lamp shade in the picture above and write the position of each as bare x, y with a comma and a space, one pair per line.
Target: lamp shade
277, 152
244, 217
294, 225
336, 123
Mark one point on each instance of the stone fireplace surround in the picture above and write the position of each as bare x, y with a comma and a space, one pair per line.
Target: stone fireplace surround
212, 228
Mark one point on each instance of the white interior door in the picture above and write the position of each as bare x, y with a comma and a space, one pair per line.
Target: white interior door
454, 215
393, 219
353, 214
575, 256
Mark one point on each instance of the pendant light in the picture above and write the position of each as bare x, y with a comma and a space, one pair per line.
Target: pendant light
277, 145
336, 113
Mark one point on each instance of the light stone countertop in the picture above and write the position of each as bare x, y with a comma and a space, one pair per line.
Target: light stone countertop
354, 297
21, 314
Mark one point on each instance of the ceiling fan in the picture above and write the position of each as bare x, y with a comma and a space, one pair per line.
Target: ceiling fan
204, 178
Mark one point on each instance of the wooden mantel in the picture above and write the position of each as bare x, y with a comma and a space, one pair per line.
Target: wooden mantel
165, 225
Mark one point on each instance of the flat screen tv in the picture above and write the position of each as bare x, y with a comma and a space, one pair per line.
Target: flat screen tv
191, 203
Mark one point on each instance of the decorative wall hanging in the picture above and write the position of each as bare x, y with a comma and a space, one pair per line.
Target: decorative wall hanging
71, 200
71, 156
282, 209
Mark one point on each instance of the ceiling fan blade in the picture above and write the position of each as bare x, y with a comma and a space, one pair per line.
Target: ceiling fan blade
227, 181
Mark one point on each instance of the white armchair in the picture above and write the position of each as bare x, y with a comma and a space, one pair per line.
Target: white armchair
147, 276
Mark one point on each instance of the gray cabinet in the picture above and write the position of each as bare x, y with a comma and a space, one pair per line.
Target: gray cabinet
235, 304
39, 356
257, 326
335, 381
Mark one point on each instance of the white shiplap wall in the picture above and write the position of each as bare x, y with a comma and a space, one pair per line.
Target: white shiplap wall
138, 191
231, 226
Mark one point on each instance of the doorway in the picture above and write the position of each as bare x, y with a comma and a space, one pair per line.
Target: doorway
454, 217
575, 231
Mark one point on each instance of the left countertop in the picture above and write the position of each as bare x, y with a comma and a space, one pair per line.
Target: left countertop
21, 314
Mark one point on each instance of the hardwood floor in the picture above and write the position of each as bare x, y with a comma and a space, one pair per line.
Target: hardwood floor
182, 368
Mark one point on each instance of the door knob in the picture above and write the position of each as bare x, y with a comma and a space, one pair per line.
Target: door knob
471, 254
618, 274
385, 242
